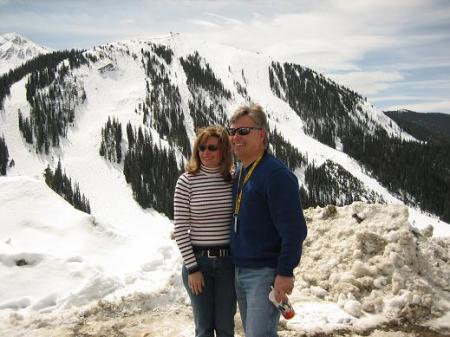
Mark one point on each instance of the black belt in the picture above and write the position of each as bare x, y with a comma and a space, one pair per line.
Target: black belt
212, 252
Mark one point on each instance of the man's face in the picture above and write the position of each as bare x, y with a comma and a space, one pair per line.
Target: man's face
247, 146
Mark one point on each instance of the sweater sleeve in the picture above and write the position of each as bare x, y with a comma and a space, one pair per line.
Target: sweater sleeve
182, 220
286, 211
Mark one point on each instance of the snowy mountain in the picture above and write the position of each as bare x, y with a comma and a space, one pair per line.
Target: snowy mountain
113, 126
342, 148
16, 49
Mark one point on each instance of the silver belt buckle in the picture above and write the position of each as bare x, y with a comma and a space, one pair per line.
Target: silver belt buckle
211, 256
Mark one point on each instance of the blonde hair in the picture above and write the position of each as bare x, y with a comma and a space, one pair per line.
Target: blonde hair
194, 164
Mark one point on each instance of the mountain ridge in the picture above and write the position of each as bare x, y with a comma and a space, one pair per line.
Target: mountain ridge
16, 49
430, 126
162, 93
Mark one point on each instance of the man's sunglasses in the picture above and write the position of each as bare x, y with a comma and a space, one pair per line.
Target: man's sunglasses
243, 131
210, 148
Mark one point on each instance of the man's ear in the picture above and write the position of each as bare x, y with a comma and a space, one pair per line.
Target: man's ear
263, 134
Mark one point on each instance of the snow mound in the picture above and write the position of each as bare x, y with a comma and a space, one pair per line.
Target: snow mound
54, 257
369, 261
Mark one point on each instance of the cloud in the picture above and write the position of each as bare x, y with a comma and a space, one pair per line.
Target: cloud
319, 39
406, 98
204, 23
371, 46
433, 106
127, 21
367, 82
325, 35
225, 19
424, 84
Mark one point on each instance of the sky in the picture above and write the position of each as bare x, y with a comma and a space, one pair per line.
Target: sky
395, 53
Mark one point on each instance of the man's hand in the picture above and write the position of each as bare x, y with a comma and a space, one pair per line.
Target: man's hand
283, 286
196, 282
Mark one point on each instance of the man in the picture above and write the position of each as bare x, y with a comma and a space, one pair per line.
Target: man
269, 226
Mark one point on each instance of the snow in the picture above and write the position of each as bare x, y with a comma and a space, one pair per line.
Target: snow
59, 264
378, 271
15, 50
351, 276
71, 258
319, 316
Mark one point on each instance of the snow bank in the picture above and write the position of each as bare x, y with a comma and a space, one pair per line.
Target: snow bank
363, 266
54, 257
368, 262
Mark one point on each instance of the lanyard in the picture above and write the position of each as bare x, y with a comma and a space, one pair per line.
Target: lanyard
239, 195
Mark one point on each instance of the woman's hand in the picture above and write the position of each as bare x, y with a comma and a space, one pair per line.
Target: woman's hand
196, 282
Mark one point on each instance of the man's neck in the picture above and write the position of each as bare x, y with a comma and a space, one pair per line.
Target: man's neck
248, 161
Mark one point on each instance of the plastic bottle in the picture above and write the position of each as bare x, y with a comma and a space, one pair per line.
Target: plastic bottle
284, 307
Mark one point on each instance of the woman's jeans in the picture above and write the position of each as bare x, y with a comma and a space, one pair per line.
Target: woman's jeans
259, 316
215, 306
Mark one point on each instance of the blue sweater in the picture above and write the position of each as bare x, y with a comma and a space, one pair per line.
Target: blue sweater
271, 225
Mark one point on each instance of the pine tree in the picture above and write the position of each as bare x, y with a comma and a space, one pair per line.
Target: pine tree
4, 156
58, 179
145, 164
61, 184
111, 143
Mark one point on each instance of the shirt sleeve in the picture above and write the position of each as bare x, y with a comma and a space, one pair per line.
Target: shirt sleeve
182, 221
285, 208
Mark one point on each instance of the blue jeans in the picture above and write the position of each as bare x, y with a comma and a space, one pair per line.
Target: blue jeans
214, 308
259, 316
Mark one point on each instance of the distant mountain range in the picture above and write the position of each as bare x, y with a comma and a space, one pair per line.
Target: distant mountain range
136, 105
16, 49
433, 127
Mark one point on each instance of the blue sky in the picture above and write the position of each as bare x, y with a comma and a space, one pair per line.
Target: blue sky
394, 52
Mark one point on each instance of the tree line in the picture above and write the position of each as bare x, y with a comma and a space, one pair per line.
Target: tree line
162, 106
323, 105
417, 173
427, 127
59, 182
53, 94
208, 92
331, 184
199, 74
285, 151
111, 141
164, 52
50, 60
326, 184
151, 170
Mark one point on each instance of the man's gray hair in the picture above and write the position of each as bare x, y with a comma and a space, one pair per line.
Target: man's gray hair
256, 114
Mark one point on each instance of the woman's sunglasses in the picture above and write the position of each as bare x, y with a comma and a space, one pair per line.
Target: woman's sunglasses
210, 148
243, 131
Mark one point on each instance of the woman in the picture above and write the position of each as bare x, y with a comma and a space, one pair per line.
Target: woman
202, 216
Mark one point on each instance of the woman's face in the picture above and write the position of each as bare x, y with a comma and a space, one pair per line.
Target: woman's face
209, 152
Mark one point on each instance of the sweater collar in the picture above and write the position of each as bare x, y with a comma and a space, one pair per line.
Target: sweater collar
209, 170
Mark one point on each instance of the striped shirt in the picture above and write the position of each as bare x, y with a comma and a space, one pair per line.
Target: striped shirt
203, 210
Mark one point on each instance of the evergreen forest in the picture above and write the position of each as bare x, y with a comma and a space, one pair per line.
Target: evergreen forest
152, 171
416, 172
208, 92
111, 141
59, 182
